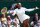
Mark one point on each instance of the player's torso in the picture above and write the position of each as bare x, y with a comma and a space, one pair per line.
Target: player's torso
20, 11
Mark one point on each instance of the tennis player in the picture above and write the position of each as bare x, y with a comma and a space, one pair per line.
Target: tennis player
20, 11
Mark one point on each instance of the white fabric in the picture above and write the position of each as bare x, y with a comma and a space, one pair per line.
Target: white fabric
8, 16
21, 13
0, 24
17, 22
4, 20
36, 26
32, 23
10, 11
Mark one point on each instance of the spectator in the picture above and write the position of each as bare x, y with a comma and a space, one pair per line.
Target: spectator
38, 22
10, 11
16, 22
35, 20
4, 21
9, 21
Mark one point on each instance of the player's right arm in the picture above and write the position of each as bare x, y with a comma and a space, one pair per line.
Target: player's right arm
13, 13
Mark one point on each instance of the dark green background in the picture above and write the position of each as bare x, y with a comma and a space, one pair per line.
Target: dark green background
24, 4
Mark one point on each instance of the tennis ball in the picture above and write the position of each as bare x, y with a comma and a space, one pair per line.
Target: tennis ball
7, 12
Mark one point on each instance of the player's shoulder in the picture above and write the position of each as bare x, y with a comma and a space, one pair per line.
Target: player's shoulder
22, 7
16, 9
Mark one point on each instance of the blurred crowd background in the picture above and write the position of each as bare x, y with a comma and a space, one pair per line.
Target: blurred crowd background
6, 5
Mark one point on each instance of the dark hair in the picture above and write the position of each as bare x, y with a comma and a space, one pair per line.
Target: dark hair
15, 7
10, 7
15, 15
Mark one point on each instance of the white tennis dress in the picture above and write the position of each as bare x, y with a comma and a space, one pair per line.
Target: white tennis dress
21, 13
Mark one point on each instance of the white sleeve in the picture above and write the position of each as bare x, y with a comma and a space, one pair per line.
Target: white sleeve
18, 21
13, 20
14, 12
29, 9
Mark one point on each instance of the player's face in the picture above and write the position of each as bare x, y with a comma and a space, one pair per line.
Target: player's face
19, 6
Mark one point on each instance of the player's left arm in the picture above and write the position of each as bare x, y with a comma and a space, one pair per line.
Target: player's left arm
31, 9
